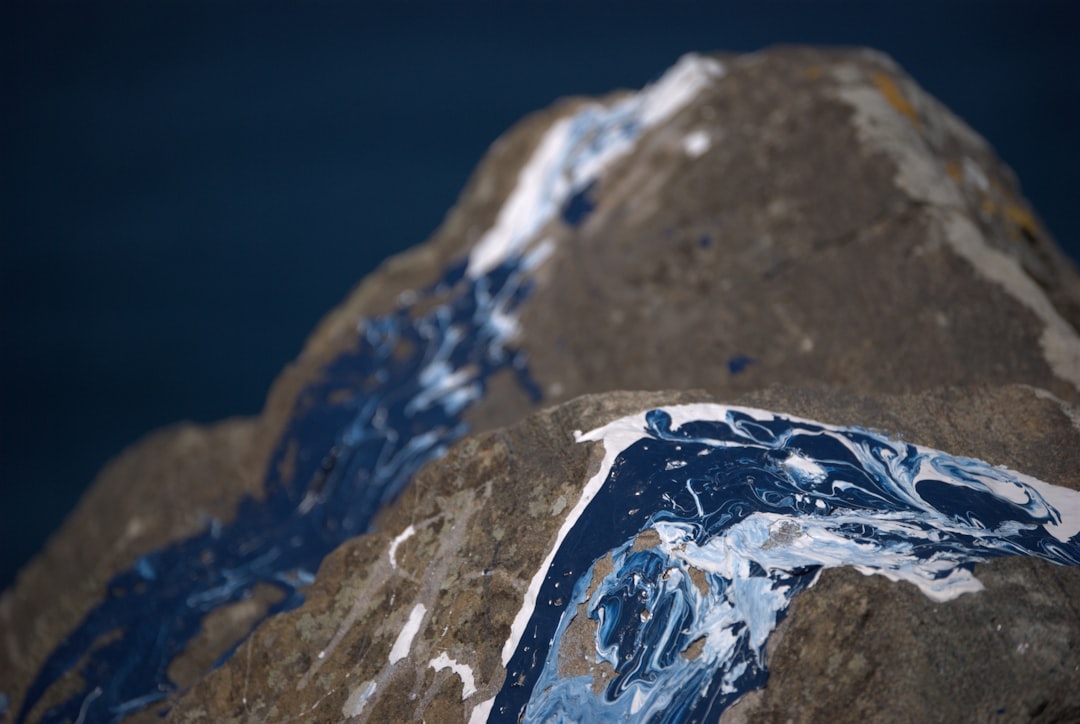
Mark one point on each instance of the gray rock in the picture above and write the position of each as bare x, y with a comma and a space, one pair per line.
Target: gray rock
854, 648
809, 218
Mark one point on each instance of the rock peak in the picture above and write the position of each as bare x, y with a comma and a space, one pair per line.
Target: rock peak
851, 307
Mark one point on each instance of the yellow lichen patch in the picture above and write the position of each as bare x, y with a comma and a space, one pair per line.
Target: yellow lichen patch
888, 88
813, 72
953, 169
1023, 219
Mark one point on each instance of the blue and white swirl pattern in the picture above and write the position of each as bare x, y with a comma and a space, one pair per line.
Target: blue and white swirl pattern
359, 433
704, 522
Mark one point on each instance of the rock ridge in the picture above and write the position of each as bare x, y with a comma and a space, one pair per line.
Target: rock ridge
800, 230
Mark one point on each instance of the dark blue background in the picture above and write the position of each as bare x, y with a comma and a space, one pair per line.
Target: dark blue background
187, 186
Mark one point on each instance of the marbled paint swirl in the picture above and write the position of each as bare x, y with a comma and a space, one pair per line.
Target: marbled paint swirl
358, 434
754, 505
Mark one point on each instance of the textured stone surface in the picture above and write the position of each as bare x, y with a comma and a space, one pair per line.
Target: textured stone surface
854, 648
810, 218
164, 488
822, 234
1009, 651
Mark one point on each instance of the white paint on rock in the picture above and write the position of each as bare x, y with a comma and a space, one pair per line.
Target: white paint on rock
481, 711
358, 698
398, 540
621, 438
408, 633
695, 144
816, 543
464, 672
577, 149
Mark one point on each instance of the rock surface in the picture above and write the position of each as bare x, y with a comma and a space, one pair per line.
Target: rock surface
799, 217
854, 648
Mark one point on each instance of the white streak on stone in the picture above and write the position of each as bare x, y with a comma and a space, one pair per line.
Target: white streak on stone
974, 176
398, 540
408, 633
528, 206
464, 672
697, 143
539, 254
1060, 344
577, 149
1068, 410
357, 699
622, 437
679, 85
481, 711
920, 174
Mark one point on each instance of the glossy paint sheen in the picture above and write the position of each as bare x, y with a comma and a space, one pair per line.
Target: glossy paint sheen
408, 383
757, 505
361, 432
757, 502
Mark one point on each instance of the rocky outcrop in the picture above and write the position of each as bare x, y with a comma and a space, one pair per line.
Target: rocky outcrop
471, 533
797, 217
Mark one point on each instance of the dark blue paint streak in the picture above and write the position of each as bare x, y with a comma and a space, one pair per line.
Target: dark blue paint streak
579, 206
710, 489
360, 434
738, 363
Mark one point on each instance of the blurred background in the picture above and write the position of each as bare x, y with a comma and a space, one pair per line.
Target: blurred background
187, 186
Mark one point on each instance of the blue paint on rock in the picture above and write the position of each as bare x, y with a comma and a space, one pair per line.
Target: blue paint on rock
757, 505
379, 414
354, 440
738, 363
579, 206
